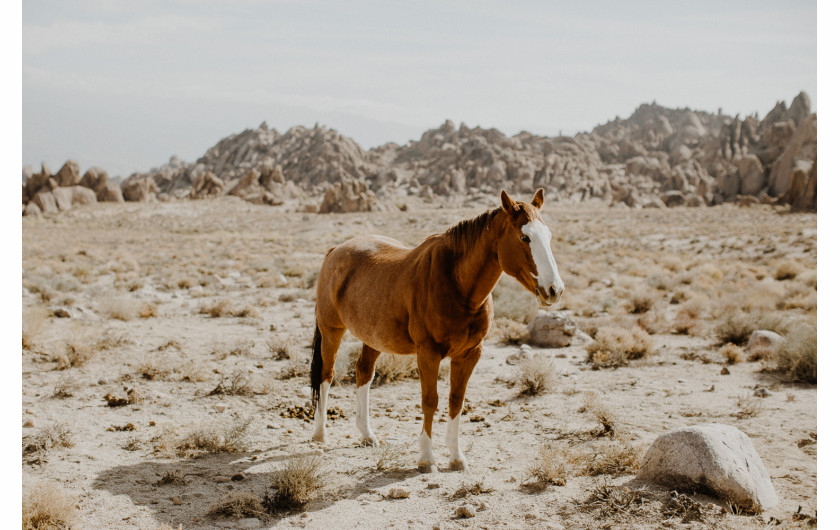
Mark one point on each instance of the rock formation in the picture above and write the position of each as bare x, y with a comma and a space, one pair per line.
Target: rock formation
45, 193
658, 157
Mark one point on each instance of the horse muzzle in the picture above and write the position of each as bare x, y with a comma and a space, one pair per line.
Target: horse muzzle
551, 295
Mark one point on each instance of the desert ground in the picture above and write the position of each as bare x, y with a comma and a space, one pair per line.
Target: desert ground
165, 372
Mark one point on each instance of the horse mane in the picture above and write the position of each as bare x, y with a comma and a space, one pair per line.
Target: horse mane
462, 237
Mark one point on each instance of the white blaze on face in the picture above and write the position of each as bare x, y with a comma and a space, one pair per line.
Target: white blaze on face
540, 237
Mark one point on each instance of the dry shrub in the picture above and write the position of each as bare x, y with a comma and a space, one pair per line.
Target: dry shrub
222, 308
787, 271
47, 507
470, 489
614, 347
548, 468
122, 308
279, 347
512, 301
78, 350
536, 376
239, 347
731, 353
748, 406
154, 368
148, 310
654, 322
56, 435
613, 459
640, 302
297, 483
193, 372
391, 457
391, 368
238, 384
509, 331
611, 501
205, 439
64, 388
238, 504
735, 326
796, 356
34, 322
606, 419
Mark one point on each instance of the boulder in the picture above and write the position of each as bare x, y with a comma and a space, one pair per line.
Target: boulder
551, 329
713, 457
32, 210
37, 181
206, 185
761, 342
752, 175
347, 196
45, 200
110, 193
139, 189
95, 178
68, 175
673, 198
802, 146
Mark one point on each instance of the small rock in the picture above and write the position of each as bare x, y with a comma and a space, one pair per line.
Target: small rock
464, 512
220, 407
29, 423
762, 341
60, 312
238, 477
176, 501
724, 371
761, 392
399, 493
482, 507
551, 329
220, 479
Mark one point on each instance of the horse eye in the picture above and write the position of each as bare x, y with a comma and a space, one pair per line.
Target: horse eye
525, 239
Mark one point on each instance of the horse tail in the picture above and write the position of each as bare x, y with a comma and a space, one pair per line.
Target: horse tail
317, 367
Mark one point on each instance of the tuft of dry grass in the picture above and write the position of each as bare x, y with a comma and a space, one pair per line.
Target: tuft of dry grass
64, 388
606, 419
640, 302
238, 384
612, 501
731, 353
391, 457
56, 435
154, 368
392, 368
735, 326
193, 372
122, 308
148, 310
613, 459
509, 331
239, 347
748, 406
279, 347
549, 467
536, 376
237, 505
787, 271
46, 507
34, 322
205, 439
614, 347
222, 308
796, 356
297, 483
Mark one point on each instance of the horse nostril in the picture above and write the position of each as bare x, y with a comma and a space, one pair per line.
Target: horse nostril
552, 292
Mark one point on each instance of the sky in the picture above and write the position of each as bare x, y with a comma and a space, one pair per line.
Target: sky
126, 85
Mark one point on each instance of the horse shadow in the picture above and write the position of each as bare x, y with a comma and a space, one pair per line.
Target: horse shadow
183, 492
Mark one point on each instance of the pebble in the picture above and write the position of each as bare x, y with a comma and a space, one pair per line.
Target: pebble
464, 512
220, 407
239, 476
724, 371
761, 392
482, 507
220, 478
176, 501
29, 423
399, 493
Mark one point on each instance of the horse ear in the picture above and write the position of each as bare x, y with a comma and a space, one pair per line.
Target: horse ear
507, 203
539, 198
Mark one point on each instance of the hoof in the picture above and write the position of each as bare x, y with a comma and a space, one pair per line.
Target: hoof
426, 467
458, 465
370, 441
318, 437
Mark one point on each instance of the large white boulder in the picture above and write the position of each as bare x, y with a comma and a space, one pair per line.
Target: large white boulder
714, 457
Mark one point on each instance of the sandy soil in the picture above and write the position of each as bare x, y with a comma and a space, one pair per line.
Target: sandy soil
137, 285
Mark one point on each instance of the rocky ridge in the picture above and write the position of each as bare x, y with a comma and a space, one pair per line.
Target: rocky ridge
657, 157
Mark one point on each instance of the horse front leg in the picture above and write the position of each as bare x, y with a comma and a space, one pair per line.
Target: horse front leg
428, 364
462, 369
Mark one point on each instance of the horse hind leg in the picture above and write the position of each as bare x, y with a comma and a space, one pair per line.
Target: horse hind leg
325, 349
365, 368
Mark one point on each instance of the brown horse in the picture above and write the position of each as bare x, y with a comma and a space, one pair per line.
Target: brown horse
433, 301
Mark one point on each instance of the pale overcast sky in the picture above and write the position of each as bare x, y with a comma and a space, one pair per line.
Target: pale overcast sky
125, 85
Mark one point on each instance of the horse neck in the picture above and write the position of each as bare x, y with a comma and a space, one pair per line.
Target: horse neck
478, 270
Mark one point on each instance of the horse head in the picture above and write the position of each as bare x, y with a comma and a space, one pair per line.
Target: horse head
525, 249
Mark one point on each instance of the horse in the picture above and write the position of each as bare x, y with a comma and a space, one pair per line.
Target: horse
432, 301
